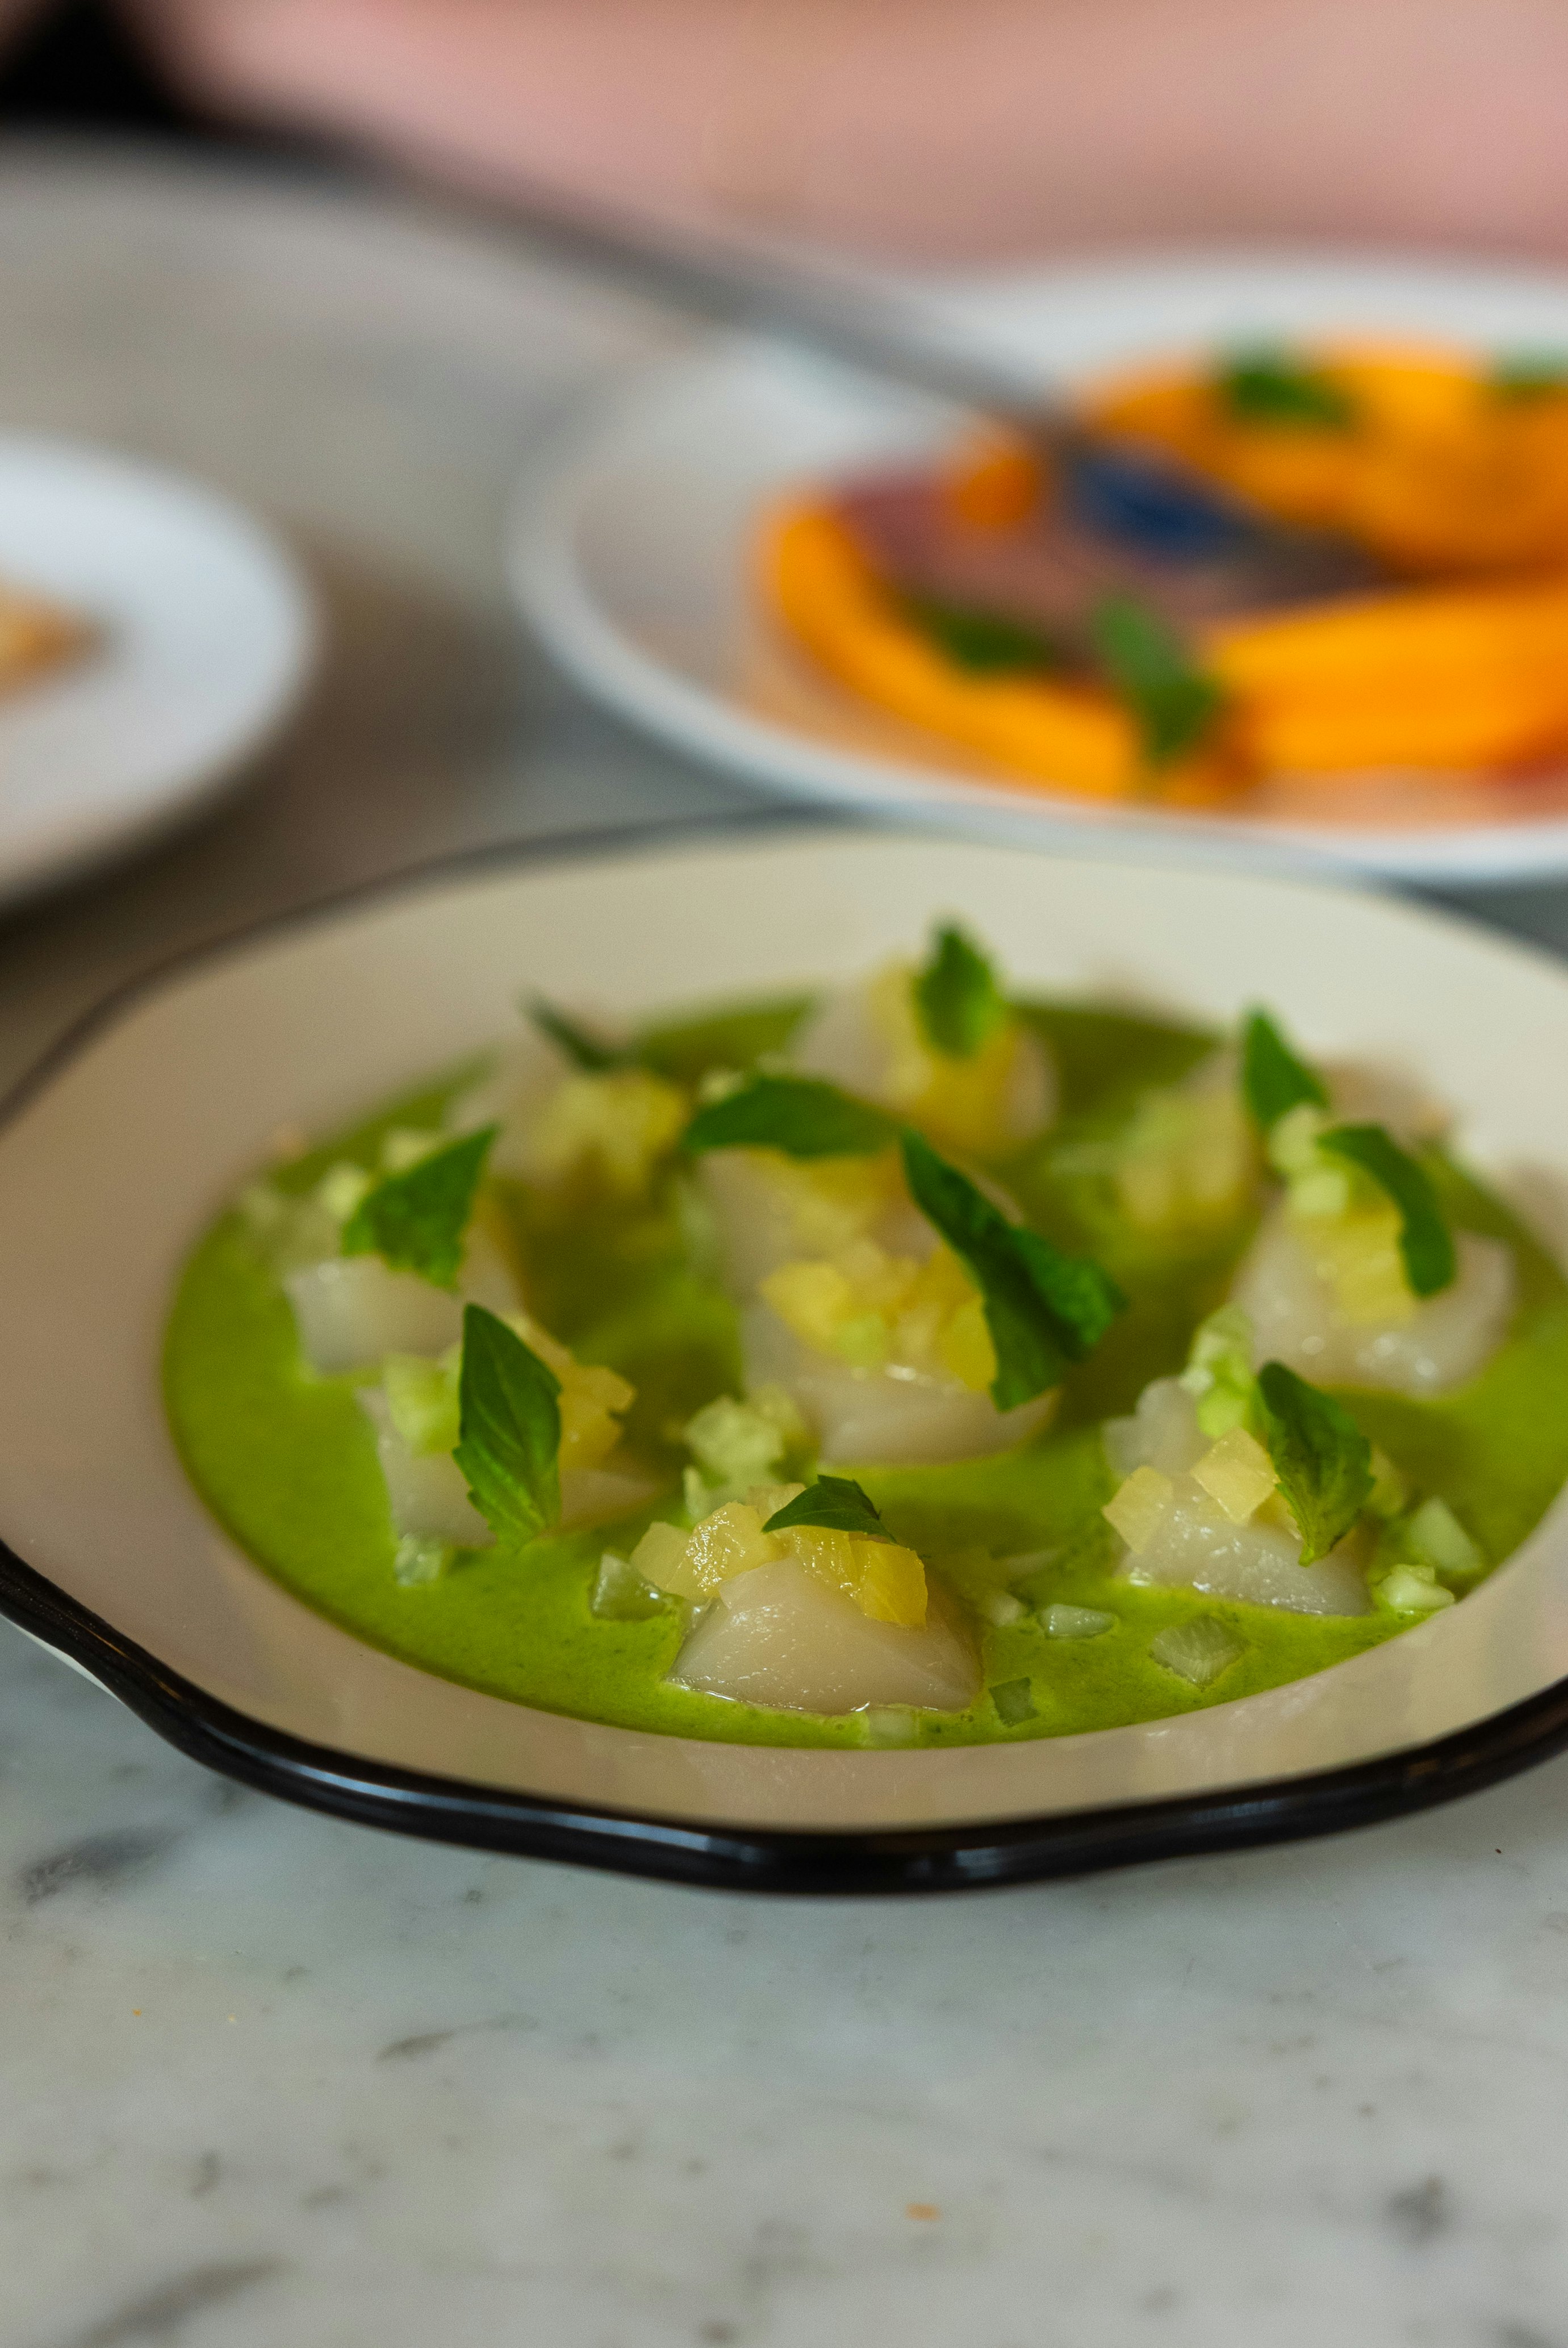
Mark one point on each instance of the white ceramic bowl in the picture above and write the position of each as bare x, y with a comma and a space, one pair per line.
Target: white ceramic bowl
116, 1155
206, 634
632, 556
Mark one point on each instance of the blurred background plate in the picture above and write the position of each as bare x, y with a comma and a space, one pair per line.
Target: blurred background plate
630, 554
203, 634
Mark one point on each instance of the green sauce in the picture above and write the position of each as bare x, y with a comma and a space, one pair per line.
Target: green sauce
286, 1460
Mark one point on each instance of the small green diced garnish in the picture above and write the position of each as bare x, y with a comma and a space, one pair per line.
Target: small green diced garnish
621, 1594
419, 1562
1197, 1652
1077, 1621
1438, 1538
1015, 1703
1412, 1590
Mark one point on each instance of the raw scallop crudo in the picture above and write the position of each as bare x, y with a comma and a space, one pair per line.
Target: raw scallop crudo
908, 1363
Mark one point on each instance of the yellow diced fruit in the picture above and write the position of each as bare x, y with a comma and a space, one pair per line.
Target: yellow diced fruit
892, 1584
967, 1104
827, 1554
592, 1399
832, 1201
885, 1580
814, 1300
728, 1542
966, 1349
1137, 1507
963, 1105
1358, 1255
1238, 1473
658, 1555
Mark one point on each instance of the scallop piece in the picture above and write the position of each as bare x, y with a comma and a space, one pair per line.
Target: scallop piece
866, 1039
1296, 1318
429, 1493
894, 1414
1162, 1432
769, 1209
779, 1637
1195, 1545
353, 1310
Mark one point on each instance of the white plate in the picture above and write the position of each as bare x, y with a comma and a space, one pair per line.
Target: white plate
206, 634
631, 553
114, 1159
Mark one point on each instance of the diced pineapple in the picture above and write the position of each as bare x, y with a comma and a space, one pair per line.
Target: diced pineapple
1135, 1509
831, 1202
592, 1399
1357, 1253
886, 1581
620, 1124
814, 1299
868, 1307
659, 1553
892, 1584
1238, 1473
967, 1347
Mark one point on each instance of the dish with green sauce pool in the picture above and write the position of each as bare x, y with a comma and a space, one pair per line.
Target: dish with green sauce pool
916, 1361
808, 1361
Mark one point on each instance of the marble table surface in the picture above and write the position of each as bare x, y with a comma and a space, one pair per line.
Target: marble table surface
269, 2081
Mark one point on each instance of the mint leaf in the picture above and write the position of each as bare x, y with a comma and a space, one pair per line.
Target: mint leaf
986, 644
582, 1047
801, 1116
1274, 1081
1426, 1242
1043, 1309
509, 1416
1529, 375
1267, 386
1173, 701
957, 999
1321, 1459
835, 1502
415, 1219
